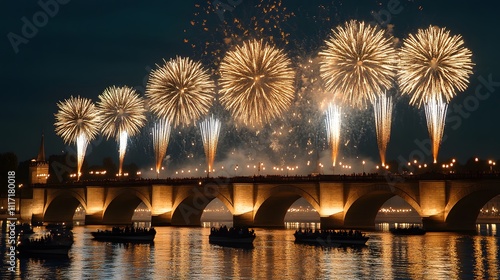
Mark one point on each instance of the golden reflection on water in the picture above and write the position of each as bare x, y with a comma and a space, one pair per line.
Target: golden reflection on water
180, 253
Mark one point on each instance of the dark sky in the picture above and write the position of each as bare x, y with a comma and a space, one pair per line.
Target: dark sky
88, 45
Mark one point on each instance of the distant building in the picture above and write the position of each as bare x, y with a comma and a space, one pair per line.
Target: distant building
39, 167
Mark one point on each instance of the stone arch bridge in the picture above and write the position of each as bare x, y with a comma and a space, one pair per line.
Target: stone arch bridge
443, 203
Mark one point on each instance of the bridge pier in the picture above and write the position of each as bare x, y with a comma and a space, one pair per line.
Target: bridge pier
164, 219
94, 219
334, 221
243, 220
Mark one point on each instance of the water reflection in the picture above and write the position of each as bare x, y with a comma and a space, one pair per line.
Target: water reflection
186, 253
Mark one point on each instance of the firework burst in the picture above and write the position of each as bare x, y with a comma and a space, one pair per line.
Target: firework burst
333, 123
123, 114
257, 83
210, 129
180, 91
359, 63
77, 121
433, 65
161, 136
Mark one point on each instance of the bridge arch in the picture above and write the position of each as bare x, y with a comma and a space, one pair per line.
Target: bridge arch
463, 207
121, 206
271, 210
62, 206
188, 206
362, 206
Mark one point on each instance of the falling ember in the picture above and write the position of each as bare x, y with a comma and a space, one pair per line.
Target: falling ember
210, 129
435, 113
382, 107
123, 114
161, 136
77, 121
333, 121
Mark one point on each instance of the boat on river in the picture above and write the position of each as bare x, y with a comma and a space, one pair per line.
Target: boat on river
232, 237
331, 237
49, 244
412, 230
127, 234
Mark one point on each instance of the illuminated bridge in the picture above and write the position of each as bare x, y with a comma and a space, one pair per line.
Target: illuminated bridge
444, 203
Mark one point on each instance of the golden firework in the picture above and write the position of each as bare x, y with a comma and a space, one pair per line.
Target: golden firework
77, 121
180, 91
210, 129
257, 82
433, 65
123, 114
359, 63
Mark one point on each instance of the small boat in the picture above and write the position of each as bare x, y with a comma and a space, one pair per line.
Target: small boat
50, 244
413, 230
232, 237
331, 237
127, 234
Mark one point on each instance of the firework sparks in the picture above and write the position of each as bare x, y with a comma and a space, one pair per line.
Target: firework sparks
77, 121
434, 65
123, 114
257, 83
333, 122
180, 91
210, 129
382, 108
161, 136
359, 63
435, 114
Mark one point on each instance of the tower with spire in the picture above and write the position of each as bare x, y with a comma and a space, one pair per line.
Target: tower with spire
39, 167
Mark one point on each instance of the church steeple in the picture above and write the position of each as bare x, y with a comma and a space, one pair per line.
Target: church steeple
41, 151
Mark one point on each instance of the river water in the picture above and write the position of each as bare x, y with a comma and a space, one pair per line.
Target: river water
184, 253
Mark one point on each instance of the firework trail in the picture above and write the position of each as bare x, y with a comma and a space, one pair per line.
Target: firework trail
333, 122
180, 91
382, 107
161, 136
434, 65
77, 121
257, 83
123, 114
210, 129
435, 114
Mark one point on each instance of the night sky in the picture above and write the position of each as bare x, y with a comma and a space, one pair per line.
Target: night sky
87, 46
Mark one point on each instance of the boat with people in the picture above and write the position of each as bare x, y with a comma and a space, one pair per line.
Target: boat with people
329, 237
126, 234
232, 237
52, 243
411, 230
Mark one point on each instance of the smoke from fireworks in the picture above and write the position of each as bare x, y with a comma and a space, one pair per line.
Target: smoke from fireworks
77, 121
382, 107
180, 91
333, 122
359, 63
210, 129
123, 114
257, 83
161, 136
434, 66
